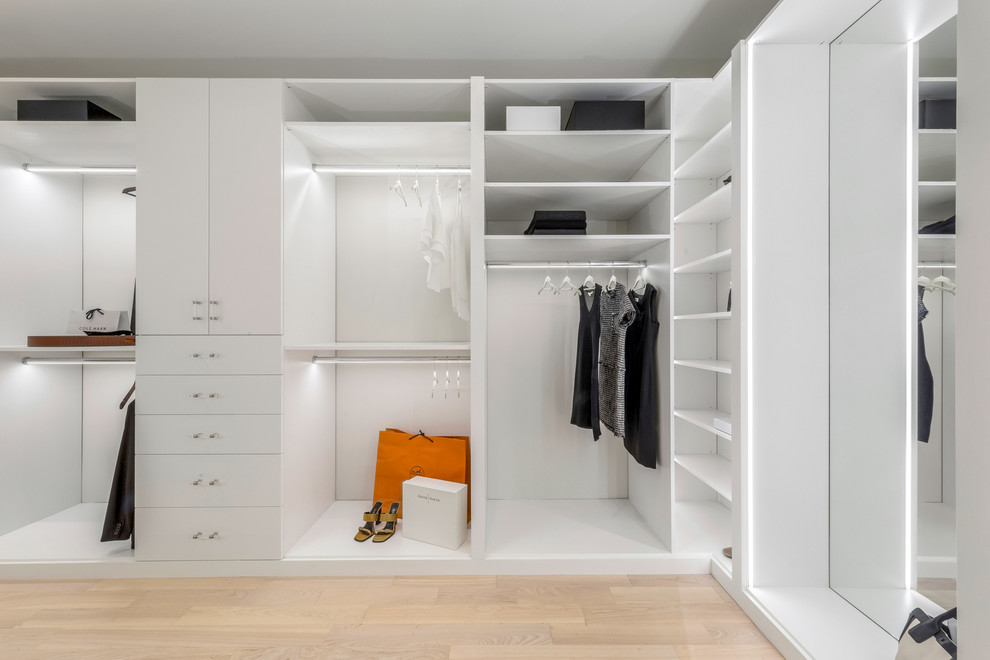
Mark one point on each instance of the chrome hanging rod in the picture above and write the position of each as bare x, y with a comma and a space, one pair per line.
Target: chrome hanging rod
391, 360
935, 264
81, 169
576, 265
78, 360
373, 170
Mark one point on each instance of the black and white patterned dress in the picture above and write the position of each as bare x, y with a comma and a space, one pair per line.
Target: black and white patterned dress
617, 313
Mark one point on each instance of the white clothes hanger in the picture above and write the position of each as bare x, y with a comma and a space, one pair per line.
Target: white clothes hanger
925, 283
547, 283
612, 281
589, 281
640, 283
943, 283
567, 284
415, 188
398, 191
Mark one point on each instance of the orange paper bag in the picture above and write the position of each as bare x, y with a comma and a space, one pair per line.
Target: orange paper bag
402, 456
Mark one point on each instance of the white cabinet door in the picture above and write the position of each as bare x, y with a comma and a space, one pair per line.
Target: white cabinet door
173, 138
245, 207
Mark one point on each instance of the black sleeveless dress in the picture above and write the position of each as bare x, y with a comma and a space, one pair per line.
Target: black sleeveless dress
584, 407
642, 439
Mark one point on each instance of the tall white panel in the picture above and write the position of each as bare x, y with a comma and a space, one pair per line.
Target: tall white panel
245, 141
173, 205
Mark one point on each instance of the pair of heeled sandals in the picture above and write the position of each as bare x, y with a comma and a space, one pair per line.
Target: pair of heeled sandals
374, 518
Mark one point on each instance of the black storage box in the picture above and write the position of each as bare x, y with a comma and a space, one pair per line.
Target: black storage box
607, 116
937, 113
62, 110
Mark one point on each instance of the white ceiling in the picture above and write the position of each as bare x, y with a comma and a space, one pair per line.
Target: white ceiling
373, 38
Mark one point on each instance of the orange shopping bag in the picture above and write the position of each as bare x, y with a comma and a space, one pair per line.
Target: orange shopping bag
402, 456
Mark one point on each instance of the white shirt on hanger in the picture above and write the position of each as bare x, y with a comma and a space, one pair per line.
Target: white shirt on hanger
460, 259
438, 273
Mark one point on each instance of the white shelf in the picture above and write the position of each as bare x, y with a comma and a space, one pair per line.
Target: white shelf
712, 159
569, 155
704, 419
568, 528
719, 262
936, 200
406, 144
370, 100
95, 143
386, 347
701, 527
713, 208
332, 537
937, 247
576, 249
600, 200
67, 349
937, 154
500, 93
937, 88
708, 316
69, 535
711, 469
719, 366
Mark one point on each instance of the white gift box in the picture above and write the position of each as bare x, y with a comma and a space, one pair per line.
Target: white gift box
434, 511
532, 118
96, 320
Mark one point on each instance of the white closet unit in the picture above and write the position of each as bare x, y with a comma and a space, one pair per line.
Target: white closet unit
209, 387
936, 180
355, 293
68, 243
553, 492
703, 237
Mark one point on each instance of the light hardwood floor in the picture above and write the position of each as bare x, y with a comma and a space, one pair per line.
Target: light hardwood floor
501, 617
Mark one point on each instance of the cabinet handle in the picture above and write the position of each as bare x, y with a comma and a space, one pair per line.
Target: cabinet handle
197, 535
213, 355
197, 395
214, 482
197, 315
197, 436
214, 310
215, 535
198, 482
214, 435
214, 395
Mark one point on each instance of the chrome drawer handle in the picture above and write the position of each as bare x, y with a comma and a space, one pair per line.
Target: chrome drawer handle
197, 436
199, 355
198, 482
214, 435
215, 535
214, 482
214, 310
196, 314
214, 395
213, 355
197, 535
197, 395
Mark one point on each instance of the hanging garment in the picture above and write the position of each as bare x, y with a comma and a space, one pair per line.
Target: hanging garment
584, 406
926, 381
642, 408
118, 525
617, 313
460, 260
438, 273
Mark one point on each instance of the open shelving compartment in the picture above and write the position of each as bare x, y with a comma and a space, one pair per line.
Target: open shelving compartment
703, 352
355, 290
69, 242
553, 492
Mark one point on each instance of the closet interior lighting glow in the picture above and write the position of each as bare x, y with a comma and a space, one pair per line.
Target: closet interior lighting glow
576, 265
77, 360
80, 169
407, 171
392, 360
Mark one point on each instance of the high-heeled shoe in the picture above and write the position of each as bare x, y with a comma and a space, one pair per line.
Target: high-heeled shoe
389, 519
371, 518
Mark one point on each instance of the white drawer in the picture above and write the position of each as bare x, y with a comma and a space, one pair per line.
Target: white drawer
208, 434
204, 354
231, 533
207, 481
209, 395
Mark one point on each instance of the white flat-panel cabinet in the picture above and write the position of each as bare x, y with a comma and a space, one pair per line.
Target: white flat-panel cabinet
209, 227
173, 156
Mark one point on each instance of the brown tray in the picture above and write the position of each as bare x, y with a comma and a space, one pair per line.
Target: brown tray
81, 341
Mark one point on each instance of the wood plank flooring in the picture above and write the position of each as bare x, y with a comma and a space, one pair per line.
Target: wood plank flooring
457, 618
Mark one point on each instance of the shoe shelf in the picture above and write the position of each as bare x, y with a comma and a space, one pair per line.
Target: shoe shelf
704, 419
710, 469
716, 207
711, 159
719, 262
718, 366
708, 316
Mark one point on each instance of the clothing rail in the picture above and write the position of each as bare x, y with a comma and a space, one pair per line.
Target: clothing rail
557, 265
935, 264
401, 171
391, 360
77, 360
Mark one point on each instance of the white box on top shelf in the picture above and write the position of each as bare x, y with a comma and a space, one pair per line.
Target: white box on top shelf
532, 118
434, 511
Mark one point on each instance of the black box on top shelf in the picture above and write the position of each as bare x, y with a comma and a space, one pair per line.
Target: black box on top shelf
937, 113
62, 110
607, 116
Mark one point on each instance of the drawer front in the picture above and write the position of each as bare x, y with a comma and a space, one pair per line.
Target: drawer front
205, 534
208, 434
203, 354
207, 481
209, 395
